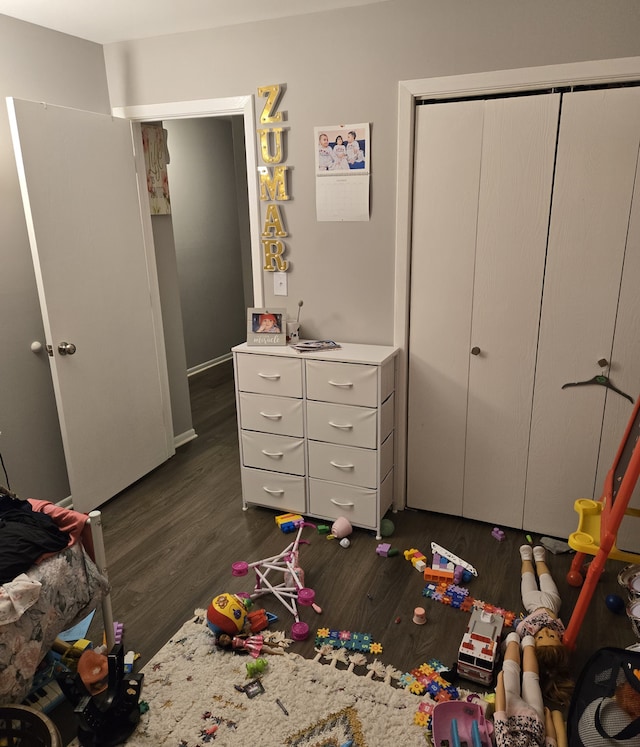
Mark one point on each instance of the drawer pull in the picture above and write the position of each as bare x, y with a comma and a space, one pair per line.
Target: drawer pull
337, 503
272, 492
271, 377
274, 454
346, 385
276, 416
342, 466
345, 426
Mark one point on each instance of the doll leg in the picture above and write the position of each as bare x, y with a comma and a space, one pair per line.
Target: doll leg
511, 670
528, 584
531, 692
550, 596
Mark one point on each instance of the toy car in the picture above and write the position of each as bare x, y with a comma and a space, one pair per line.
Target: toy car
479, 649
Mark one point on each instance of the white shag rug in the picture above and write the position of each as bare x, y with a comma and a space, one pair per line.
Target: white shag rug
190, 687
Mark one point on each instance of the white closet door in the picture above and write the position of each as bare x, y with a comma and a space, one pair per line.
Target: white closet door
483, 174
515, 194
448, 150
625, 371
597, 155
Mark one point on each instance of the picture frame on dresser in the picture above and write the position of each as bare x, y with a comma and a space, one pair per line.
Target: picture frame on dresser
266, 327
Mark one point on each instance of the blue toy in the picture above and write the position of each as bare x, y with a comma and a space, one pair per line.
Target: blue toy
615, 603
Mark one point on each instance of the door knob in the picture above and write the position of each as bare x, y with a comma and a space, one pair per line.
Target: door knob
66, 348
603, 362
475, 350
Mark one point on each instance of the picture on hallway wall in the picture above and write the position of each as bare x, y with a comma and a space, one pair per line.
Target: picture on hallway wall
156, 158
266, 327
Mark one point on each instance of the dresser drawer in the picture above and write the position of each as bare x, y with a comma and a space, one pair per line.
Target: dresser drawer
281, 415
345, 383
269, 374
343, 464
342, 424
271, 452
273, 489
329, 500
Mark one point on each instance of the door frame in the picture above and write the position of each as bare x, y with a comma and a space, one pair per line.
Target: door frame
626, 69
243, 106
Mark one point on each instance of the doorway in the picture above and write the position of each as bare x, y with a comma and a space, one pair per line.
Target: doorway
239, 112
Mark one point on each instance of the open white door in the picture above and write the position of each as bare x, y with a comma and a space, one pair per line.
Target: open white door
98, 294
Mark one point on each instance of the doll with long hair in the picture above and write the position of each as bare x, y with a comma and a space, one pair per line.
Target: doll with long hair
520, 718
541, 600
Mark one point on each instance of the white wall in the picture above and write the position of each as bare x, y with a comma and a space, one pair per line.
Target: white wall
338, 67
344, 67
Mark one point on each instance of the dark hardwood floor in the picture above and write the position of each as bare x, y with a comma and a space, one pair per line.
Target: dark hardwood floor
171, 539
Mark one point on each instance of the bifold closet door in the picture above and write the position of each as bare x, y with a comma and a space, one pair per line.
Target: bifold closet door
591, 231
626, 371
482, 185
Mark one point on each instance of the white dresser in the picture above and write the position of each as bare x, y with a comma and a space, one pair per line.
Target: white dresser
316, 430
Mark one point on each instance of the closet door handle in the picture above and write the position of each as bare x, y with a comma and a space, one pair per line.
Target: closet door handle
274, 454
346, 384
603, 362
271, 377
271, 491
475, 350
277, 416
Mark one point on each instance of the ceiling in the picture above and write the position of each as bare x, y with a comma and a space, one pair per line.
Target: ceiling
106, 21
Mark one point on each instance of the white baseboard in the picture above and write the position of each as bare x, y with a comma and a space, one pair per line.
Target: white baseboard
209, 364
184, 438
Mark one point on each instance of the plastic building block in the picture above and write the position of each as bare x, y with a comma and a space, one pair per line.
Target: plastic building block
418, 560
431, 574
118, 632
384, 549
437, 549
294, 519
346, 639
498, 534
129, 658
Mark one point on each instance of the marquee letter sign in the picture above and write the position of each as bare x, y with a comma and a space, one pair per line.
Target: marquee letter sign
273, 180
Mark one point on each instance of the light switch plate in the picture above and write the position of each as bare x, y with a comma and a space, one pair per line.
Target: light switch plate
279, 283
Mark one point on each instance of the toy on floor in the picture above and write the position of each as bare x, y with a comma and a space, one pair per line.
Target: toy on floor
418, 560
255, 645
231, 614
454, 560
108, 718
289, 522
362, 642
427, 678
385, 550
478, 650
227, 613
256, 668
341, 527
290, 590
458, 597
